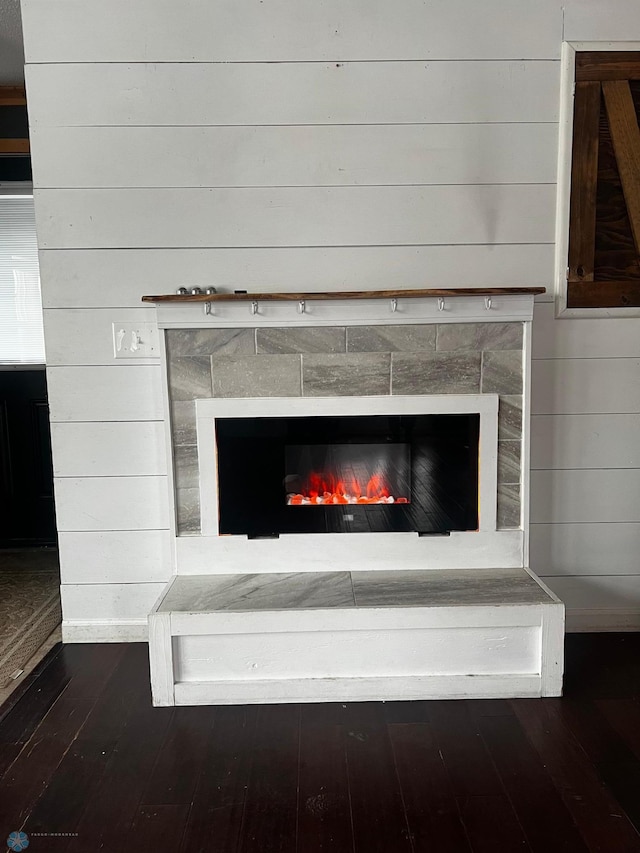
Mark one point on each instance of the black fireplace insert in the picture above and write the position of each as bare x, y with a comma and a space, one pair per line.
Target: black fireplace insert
348, 474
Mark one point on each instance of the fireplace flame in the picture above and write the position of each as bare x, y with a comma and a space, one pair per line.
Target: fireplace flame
325, 489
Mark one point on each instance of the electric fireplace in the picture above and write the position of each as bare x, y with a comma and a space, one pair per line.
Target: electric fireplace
287, 478
347, 474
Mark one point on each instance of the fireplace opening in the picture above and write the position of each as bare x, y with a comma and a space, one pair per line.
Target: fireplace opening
351, 474
339, 474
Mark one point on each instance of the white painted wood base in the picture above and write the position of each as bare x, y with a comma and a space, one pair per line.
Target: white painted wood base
357, 653
357, 689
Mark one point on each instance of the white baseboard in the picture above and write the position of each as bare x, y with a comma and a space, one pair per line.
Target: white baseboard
104, 631
593, 621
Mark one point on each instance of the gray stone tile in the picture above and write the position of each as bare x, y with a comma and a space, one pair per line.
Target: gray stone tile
413, 338
508, 506
320, 339
186, 342
185, 466
502, 372
445, 588
188, 511
510, 417
345, 375
189, 378
183, 422
298, 591
509, 461
435, 373
479, 336
256, 376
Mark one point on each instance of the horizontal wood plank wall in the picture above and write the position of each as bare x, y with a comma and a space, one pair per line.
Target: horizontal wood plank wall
585, 459
117, 278
305, 156
294, 216
307, 145
249, 31
290, 93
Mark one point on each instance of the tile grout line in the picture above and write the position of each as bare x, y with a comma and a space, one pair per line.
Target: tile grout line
353, 590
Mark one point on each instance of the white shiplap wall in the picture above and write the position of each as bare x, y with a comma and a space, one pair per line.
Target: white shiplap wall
311, 144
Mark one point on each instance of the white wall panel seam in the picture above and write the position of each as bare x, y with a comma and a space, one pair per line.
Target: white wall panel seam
417, 60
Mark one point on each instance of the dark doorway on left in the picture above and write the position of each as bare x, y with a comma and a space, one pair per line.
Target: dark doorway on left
27, 514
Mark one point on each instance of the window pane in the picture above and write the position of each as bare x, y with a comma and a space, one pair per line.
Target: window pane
21, 335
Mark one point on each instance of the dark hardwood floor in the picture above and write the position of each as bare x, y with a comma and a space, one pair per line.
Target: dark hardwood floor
86, 764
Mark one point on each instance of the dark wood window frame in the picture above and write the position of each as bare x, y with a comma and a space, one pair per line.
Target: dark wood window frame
603, 266
15, 160
14, 132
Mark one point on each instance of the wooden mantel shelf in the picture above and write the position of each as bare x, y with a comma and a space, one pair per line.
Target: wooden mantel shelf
346, 294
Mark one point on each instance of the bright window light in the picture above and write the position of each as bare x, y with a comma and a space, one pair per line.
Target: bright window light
21, 333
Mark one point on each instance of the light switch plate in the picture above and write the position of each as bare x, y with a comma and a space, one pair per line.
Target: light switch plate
135, 340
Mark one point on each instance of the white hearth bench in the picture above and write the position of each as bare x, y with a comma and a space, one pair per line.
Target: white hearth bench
355, 636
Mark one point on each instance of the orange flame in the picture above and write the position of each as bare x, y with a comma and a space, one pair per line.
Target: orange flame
322, 489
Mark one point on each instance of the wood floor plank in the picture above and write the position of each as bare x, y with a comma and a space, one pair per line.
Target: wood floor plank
158, 829
175, 775
479, 708
324, 810
600, 741
8, 754
602, 666
92, 667
270, 814
530, 788
491, 825
431, 808
22, 688
72, 787
466, 758
616, 764
65, 799
215, 820
29, 775
107, 820
379, 819
22, 719
624, 716
405, 712
599, 818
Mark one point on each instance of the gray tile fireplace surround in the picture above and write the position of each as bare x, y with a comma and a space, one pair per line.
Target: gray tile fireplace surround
330, 361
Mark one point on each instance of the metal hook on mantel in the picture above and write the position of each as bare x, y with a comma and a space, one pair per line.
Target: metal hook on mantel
207, 308
487, 303
440, 303
254, 308
302, 306
394, 305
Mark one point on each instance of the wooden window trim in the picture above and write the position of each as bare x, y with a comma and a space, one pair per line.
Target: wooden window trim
597, 77
11, 97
